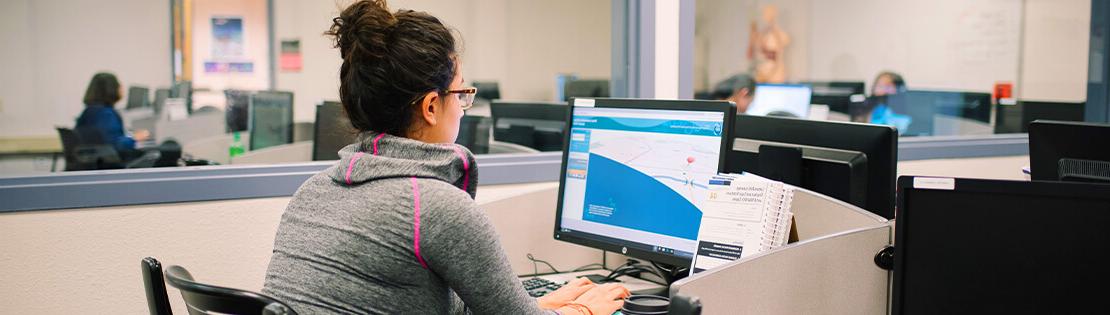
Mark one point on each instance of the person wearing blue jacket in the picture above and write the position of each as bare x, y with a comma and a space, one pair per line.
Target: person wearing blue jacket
99, 122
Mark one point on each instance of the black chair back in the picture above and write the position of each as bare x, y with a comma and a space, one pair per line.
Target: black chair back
204, 299
69, 147
156, 298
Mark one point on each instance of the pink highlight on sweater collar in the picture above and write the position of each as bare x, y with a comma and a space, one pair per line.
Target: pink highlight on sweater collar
351, 166
379, 137
416, 222
466, 168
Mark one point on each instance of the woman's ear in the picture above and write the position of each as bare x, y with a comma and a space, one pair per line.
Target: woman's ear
428, 108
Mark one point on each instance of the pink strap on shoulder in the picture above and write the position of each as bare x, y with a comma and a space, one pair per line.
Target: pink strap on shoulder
416, 222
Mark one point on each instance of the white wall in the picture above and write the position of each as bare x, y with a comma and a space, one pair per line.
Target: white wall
52, 48
1055, 49
721, 34
520, 44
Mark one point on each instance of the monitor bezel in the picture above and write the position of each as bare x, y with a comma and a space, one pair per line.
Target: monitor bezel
1028, 188
592, 240
252, 117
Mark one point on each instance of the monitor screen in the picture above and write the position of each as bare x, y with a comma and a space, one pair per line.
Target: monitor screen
1000, 247
333, 131
782, 100
634, 176
271, 119
138, 97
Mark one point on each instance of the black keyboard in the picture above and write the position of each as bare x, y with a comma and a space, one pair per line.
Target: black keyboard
538, 287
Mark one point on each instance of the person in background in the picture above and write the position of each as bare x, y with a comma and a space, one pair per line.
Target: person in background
739, 89
392, 227
100, 119
876, 109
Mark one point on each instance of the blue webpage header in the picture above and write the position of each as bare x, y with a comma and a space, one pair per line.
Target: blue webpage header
670, 126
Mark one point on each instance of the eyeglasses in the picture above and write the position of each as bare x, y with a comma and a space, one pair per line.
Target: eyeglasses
466, 96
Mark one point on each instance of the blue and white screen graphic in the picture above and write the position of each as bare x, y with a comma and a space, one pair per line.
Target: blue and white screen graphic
639, 174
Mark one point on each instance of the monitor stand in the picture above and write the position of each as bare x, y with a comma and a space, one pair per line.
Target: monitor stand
780, 163
635, 285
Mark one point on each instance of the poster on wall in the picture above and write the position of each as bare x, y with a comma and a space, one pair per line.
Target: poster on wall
228, 55
291, 55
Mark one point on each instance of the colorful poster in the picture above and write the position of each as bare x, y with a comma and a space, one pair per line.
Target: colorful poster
227, 38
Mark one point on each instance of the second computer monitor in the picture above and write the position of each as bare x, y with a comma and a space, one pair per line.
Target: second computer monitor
333, 131
851, 162
781, 100
634, 173
537, 125
1069, 151
138, 97
271, 119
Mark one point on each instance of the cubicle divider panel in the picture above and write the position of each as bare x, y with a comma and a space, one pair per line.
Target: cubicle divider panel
818, 215
526, 223
833, 274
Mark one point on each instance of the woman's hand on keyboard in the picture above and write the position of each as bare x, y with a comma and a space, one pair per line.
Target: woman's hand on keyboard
604, 299
565, 294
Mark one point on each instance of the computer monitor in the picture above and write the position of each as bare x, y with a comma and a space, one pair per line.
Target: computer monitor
634, 171
1069, 151
1058, 111
333, 131
160, 96
781, 100
537, 125
138, 97
184, 90
1000, 247
851, 162
487, 90
474, 133
586, 89
836, 94
920, 107
271, 119
238, 110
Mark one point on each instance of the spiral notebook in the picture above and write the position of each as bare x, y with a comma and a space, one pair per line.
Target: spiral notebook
743, 215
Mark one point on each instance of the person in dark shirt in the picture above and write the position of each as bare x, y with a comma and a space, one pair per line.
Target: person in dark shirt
99, 122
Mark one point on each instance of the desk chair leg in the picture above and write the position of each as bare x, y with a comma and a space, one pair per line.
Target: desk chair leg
54, 162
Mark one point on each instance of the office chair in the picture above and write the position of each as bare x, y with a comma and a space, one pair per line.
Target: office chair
204, 299
80, 156
156, 297
684, 305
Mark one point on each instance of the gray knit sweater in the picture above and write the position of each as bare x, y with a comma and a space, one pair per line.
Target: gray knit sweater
392, 228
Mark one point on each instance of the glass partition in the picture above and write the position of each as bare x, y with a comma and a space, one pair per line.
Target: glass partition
190, 75
937, 68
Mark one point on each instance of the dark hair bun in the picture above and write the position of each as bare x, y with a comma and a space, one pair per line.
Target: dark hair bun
389, 59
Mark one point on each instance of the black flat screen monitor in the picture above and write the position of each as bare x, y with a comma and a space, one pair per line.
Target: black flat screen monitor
966, 246
487, 90
1058, 111
474, 133
271, 119
160, 96
333, 131
535, 125
634, 171
851, 162
238, 108
586, 89
138, 97
918, 109
1069, 151
836, 94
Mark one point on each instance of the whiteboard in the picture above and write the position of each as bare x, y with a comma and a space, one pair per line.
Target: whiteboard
939, 44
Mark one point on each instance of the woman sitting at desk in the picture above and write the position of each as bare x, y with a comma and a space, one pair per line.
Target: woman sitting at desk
392, 228
100, 123
876, 109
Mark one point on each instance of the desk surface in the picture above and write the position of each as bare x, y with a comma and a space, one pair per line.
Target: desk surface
30, 145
